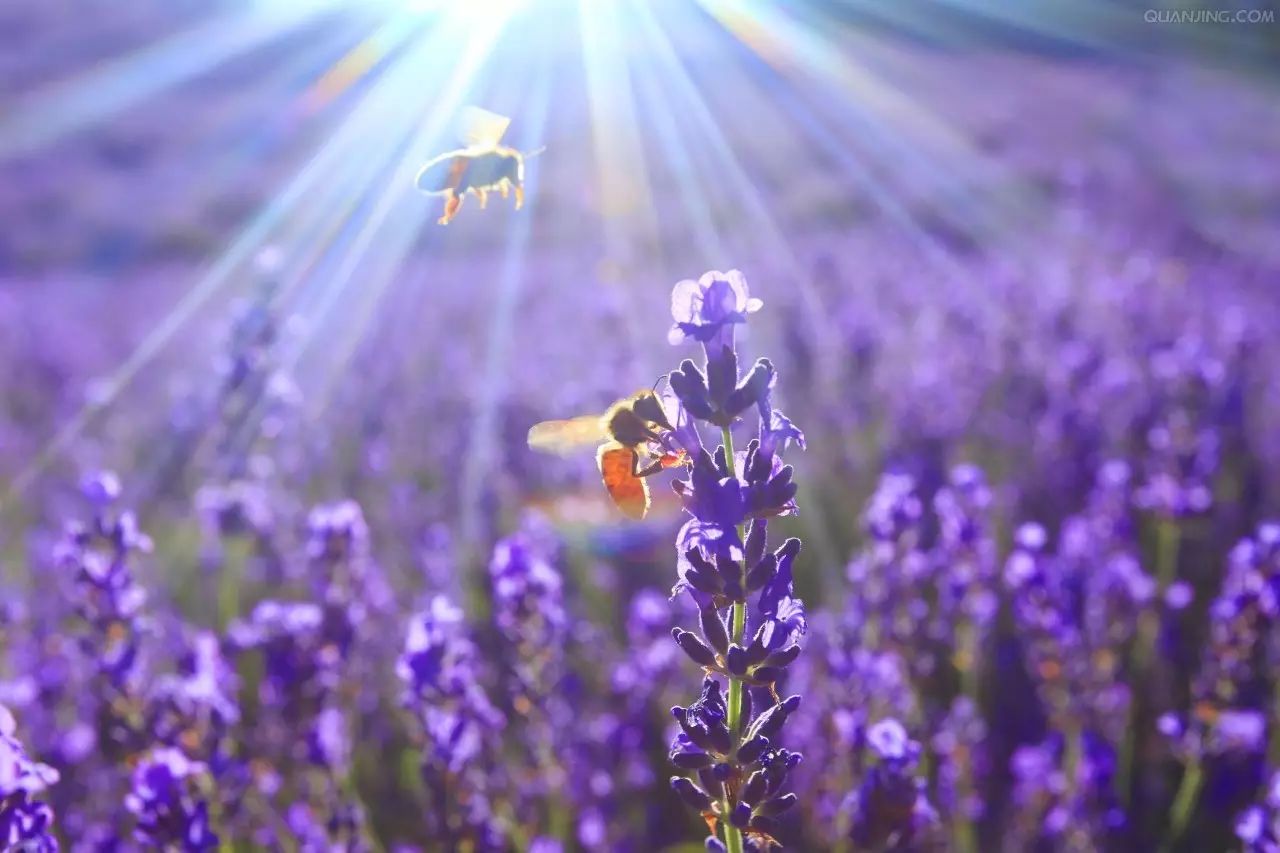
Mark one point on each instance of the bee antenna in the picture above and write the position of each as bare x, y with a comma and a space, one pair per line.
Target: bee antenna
529, 155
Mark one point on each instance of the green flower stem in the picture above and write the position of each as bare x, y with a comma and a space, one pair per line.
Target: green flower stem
1273, 746
1184, 804
732, 835
1143, 650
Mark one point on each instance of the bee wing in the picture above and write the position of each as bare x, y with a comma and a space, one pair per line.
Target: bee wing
435, 176
617, 468
567, 436
483, 128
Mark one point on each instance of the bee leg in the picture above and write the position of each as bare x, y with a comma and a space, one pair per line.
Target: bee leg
505, 188
484, 197
519, 190
651, 468
452, 204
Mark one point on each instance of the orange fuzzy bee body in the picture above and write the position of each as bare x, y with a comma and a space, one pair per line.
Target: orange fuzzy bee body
631, 427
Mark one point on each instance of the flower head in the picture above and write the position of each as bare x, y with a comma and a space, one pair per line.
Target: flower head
708, 309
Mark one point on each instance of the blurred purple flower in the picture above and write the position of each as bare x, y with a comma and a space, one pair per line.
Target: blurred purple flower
26, 823
166, 804
890, 810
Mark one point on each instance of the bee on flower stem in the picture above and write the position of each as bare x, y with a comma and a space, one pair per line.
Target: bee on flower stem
483, 166
632, 428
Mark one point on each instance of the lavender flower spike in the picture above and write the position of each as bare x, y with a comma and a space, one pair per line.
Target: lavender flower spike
727, 567
455, 723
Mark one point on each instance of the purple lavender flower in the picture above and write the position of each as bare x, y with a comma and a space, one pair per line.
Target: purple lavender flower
26, 823
527, 595
612, 776
1258, 826
303, 721
195, 709
724, 561
438, 671
167, 804
890, 809
1227, 726
1051, 636
109, 601
299, 667
529, 611
848, 687
1183, 447
962, 767
342, 573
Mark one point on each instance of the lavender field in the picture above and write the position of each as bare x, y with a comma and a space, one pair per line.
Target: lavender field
946, 336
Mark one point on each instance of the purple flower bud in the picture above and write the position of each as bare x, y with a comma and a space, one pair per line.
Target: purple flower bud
690, 388
784, 658
765, 824
778, 805
765, 676
691, 759
752, 749
697, 651
722, 379
757, 539
713, 629
753, 388
769, 723
762, 573
692, 795
101, 488
754, 790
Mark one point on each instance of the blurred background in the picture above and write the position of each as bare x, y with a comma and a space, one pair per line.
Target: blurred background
1031, 236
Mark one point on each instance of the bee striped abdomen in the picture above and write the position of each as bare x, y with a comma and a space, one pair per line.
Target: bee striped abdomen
629, 492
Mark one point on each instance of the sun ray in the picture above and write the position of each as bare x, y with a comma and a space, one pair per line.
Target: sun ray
295, 222
493, 378
64, 107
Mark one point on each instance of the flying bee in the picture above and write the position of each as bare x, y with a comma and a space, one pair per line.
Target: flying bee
483, 166
632, 428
